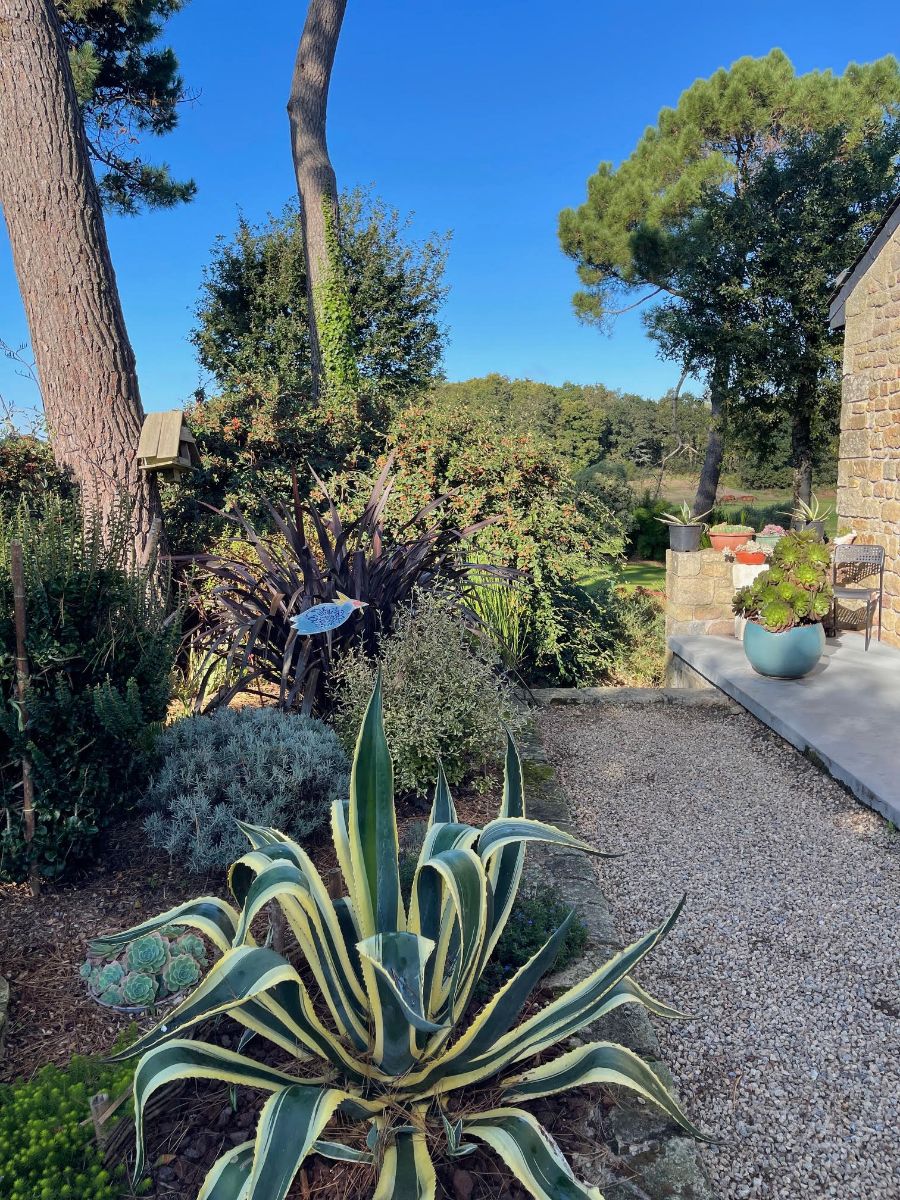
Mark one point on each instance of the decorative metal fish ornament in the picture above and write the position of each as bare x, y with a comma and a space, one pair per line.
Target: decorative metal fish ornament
322, 618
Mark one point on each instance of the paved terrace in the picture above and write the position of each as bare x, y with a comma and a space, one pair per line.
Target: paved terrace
847, 711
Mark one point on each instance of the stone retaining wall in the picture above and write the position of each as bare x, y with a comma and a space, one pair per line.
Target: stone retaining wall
699, 589
868, 498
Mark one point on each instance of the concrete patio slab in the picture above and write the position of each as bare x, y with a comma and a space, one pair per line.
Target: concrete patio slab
847, 711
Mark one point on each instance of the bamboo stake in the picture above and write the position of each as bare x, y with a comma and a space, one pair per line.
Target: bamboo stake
17, 571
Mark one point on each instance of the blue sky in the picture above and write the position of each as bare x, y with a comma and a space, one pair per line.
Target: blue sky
484, 117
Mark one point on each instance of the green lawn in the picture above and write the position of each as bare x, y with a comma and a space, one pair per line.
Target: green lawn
645, 574
635, 574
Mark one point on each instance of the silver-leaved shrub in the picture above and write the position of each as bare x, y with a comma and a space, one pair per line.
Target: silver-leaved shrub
248, 764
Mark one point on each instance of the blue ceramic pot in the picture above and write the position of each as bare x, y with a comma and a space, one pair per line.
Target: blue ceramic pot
787, 655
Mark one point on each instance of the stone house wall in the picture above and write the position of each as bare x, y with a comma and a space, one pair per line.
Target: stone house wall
868, 498
699, 589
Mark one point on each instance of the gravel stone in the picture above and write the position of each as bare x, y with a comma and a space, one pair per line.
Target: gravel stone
786, 954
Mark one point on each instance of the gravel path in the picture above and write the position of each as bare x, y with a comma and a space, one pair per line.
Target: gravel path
786, 953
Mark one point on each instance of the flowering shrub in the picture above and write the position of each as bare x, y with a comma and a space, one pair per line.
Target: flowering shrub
542, 524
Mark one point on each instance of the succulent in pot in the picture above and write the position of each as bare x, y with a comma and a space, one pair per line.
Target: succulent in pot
751, 554
769, 535
726, 536
685, 529
157, 967
784, 608
811, 516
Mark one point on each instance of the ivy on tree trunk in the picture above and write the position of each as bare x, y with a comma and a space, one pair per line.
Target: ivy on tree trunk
317, 188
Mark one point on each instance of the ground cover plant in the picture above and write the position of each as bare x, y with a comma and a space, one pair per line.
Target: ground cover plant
100, 645
395, 1051
250, 764
47, 1145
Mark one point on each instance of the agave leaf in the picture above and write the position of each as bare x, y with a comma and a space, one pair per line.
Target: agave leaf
443, 810
530, 1153
229, 1174
506, 831
208, 915
462, 879
289, 1124
238, 975
407, 1172
320, 937
505, 868
184, 1059
494, 1020
393, 964
576, 1008
374, 849
599, 1062
339, 1152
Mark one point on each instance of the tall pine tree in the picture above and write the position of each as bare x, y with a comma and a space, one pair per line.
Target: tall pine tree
635, 239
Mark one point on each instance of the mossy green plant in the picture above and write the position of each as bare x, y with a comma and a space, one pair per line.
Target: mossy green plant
47, 1146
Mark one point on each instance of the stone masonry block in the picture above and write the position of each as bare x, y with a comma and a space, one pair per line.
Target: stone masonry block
855, 443
694, 591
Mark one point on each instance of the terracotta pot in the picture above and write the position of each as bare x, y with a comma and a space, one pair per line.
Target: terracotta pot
728, 541
750, 557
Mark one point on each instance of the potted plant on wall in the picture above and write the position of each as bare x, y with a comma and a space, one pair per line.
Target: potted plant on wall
769, 536
750, 554
725, 536
685, 530
812, 516
784, 608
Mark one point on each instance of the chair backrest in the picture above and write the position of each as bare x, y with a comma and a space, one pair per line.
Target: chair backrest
857, 562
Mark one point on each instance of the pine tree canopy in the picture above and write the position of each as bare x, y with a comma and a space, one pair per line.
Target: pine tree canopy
128, 86
631, 233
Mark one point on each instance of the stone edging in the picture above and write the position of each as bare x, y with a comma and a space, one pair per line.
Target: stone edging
709, 697
648, 1157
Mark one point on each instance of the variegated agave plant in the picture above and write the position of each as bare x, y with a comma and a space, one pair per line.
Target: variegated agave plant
392, 1051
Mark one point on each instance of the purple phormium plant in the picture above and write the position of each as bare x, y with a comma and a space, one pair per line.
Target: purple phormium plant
247, 604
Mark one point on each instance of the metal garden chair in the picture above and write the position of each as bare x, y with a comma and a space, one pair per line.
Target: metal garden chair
850, 565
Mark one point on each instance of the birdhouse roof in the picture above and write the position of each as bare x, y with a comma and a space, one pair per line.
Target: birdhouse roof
166, 438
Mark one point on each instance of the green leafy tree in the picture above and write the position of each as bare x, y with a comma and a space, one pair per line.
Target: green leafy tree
128, 87
805, 216
586, 424
252, 336
636, 237
540, 523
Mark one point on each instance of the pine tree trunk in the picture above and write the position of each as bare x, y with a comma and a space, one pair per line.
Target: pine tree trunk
712, 461
316, 182
801, 441
85, 364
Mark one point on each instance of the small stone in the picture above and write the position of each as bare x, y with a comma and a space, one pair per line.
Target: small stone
463, 1184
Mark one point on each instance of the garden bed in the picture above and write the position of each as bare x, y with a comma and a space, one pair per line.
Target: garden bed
627, 1149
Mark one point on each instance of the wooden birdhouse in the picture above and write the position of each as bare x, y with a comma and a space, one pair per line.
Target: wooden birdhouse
167, 446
